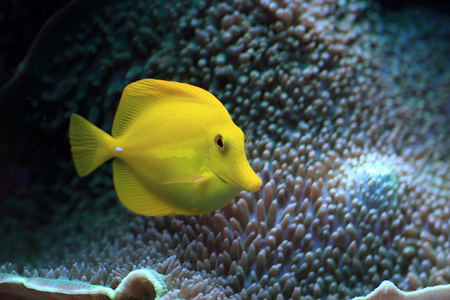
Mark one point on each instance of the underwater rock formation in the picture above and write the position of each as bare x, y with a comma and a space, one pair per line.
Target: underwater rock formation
349, 112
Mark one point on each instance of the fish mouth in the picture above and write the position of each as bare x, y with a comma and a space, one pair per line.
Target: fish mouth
245, 179
242, 177
252, 184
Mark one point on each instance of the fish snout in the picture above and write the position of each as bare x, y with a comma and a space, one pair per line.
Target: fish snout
254, 184
248, 180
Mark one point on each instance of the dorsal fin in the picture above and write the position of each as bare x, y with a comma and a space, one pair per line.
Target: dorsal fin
145, 94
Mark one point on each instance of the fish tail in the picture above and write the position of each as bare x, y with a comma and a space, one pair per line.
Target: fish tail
90, 145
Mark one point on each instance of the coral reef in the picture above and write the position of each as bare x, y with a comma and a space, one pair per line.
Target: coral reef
349, 113
388, 291
144, 284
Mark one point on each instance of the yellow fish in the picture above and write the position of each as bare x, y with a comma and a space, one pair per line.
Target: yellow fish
176, 150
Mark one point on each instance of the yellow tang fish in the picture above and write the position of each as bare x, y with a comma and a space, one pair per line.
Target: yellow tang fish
175, 149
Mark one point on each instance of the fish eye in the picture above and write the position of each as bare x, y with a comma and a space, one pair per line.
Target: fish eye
220, 142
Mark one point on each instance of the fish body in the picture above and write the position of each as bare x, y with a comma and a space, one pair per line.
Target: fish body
176, 150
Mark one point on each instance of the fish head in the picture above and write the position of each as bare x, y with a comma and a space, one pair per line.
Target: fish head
228, 160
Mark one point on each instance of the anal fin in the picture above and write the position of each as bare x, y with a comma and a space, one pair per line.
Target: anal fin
137, 197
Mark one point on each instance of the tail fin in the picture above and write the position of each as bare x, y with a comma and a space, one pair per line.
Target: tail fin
90, 145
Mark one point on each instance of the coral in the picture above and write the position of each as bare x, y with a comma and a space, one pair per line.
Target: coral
350, 138
144, 284
388, 291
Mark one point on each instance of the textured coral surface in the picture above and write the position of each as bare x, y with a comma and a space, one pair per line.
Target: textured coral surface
349, 108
